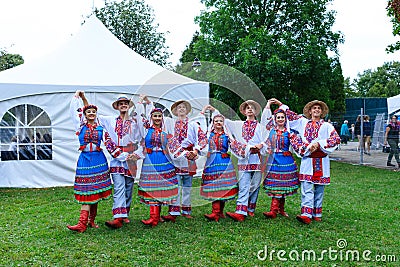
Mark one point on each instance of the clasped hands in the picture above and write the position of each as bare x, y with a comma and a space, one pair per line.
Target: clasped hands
133, 157
313, 147
191, 155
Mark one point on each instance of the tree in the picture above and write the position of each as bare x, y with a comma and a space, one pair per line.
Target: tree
350, 89
281, 45
132, 22
393, 11
8, 61
383, 82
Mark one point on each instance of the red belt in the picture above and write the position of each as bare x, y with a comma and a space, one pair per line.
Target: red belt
318, 154
151, 150
254, 150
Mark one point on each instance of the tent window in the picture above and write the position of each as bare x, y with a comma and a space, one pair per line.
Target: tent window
25, 134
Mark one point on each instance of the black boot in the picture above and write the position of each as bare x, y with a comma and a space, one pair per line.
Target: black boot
389, 164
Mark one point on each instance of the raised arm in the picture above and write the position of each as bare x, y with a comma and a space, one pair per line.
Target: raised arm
75, 110
266, 116
296, 121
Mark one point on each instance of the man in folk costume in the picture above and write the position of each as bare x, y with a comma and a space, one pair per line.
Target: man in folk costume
125, 134
184, 140
249, 133
316, 139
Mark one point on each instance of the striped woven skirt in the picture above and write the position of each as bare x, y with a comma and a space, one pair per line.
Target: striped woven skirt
282, 176
219, 179
92, 179
158, 182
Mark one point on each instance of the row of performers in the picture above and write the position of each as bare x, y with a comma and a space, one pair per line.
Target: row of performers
169, 149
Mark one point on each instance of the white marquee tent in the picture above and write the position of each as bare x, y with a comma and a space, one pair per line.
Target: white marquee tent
393, 104
35, 99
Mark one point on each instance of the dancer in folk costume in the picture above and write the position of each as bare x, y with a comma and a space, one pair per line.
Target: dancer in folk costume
250, 134
158, 184
184, 137
316, 139
124, 133
92, 179
281, 173
219, 183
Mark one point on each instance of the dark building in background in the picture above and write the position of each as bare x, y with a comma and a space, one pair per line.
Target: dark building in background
371, 106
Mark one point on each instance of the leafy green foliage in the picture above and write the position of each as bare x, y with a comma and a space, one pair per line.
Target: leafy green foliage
393, 12
132, 22
350, 89
360, 206
382, 82
281, 45
8, 61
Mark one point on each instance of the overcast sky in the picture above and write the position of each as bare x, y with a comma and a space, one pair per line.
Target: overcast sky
33, 28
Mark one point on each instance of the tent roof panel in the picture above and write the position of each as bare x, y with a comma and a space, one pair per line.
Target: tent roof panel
94, 56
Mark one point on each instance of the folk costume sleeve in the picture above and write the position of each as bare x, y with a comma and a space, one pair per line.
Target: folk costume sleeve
113, 149
331, 140
299, 145
142, 117
266, 117
75, 110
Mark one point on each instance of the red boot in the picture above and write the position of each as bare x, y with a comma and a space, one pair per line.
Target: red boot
236, 216
273, 210
214, 216
303, 219
282, 208
82, 223
169, 218
126, 220
154, 216
92, 216
317, 219
221, 212
115, 224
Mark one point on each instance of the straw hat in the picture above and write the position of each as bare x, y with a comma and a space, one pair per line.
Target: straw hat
257, 107
186, 103
308, 106
122, 98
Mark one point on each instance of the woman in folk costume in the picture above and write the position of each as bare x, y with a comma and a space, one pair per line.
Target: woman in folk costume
219, 182
316, 139
158, 184
92, 179
281, 173
184, 137
250, 134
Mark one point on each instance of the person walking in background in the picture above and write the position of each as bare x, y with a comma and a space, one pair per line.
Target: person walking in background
282, 179
367, 129
344, 132
352, 129
92, 179
316, 139
392, 138
357, 132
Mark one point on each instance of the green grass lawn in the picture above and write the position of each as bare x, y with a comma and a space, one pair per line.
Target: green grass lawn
361, 206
